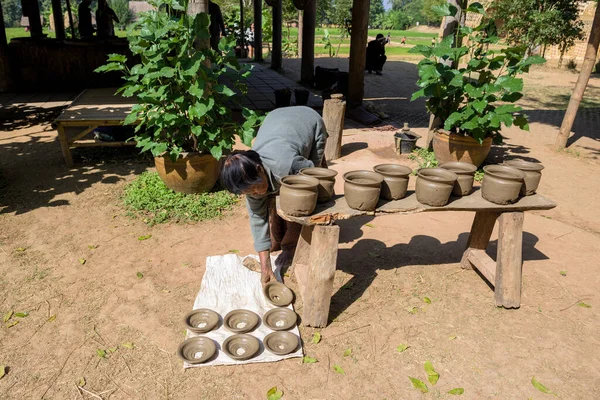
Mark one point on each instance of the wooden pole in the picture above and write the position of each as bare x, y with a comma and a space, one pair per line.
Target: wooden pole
242, 31
358, 52
33, 11
584, 77
334, 111
70, 15
5, 81
307, 71
276, 56
59, 25
509, 260
300, 29
258, 55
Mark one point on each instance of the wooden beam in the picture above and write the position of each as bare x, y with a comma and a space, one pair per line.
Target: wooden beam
484, 264
481, 231
509, 260
307, 71
59, 25
334, 111
276, 55
358, 52
32, 9
242, 30
300, 30
258, 55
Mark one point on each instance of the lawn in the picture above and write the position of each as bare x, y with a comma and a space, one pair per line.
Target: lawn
372, 32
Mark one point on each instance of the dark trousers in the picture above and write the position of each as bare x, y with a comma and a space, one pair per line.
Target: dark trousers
375, 63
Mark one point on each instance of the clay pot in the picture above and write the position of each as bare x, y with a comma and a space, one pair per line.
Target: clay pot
282, 97
501, 184
197, 350
298, 195
326, 179
193, 173
278, 294
533, 174
280, 319
201, 320
362, 189
301, 96
434, 186
460, 148
281, 343
395, 180
240, 321
466, 175
241, 346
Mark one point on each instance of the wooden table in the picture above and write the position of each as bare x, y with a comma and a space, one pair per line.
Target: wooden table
91, 109
314, 263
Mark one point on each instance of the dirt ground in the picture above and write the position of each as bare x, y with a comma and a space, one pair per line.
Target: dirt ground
51, 217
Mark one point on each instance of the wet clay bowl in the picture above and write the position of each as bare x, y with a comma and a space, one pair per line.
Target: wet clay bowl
197, 350
278, 294
466, 175
280, 319
434, 186
281, 343
298, 195
201, 320
395, 180
362, 189
501, 184
326, 179
241, 346
240, 321
533, 174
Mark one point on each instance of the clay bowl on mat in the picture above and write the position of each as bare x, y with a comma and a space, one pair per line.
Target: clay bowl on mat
298, 195
201, 320
241, 346
434, 186
326, 179
278, 294
533, 174
240, 321
466, 175
362, 189
501, 184
280, 319
197, 350
395, 180
281, 343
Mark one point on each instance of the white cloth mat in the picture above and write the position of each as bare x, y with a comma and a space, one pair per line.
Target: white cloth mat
228, 285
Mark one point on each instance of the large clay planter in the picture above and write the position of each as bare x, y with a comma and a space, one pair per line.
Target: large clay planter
326, 179
434, 186
298, 195
362, 189
466, 175
193, 173
533, 174
460, 148
501, 184
395, 180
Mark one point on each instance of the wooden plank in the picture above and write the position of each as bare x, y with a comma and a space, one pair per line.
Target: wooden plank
82, 134
100, 144
64, 145
484, 264
337, 208
481, 231
509, 260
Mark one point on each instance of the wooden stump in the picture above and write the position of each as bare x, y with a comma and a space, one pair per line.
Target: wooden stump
509, 260
334, 111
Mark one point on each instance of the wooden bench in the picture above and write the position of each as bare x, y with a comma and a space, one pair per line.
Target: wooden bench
314, 263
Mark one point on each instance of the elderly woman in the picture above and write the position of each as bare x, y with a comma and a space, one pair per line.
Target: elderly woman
289, 139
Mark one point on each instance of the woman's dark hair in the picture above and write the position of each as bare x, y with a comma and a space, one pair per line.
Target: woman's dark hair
241, 170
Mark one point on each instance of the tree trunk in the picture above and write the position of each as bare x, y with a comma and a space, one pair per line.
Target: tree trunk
358, 52
308, 42
258, 56
584, 76
276, 56
59, 25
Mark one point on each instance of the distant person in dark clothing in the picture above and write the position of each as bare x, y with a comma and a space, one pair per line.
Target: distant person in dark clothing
217, 26
104, 19
84, 16
376, 54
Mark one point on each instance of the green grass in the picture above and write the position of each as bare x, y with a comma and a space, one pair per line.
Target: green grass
372, 32
391, 51
12, 33
148, 198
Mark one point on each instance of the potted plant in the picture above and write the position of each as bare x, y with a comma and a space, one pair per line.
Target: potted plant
471, 89
184, 111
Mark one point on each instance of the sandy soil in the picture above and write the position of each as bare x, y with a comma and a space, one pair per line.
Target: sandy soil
51, 215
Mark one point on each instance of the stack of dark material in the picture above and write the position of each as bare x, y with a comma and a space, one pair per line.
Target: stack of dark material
331, 80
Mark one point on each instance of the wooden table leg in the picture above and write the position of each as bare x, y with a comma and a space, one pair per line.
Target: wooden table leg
509, 260
64, 145
314, 267
481, 231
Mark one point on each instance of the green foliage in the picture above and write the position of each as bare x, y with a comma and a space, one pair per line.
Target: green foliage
123, 12
376, 14
396, 19
182, 106
424, 157
11, 10
289, 44
339, 12
476, 99
572, 65
149, 198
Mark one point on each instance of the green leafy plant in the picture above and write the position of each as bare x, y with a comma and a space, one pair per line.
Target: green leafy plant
473, 97
182, 104
424, 157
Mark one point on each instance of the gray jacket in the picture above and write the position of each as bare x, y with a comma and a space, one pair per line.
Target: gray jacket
289, 139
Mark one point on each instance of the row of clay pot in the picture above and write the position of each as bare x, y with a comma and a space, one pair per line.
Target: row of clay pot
504, 184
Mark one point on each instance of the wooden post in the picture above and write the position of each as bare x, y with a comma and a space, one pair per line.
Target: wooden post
59, 25
334, 111
584, 77
70, 15
276, 56
32, 9
258, 55
242, 31
197, 7
481, 231
358, 52
64, 145
300, 29
509, 260
5, 81
307, 72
